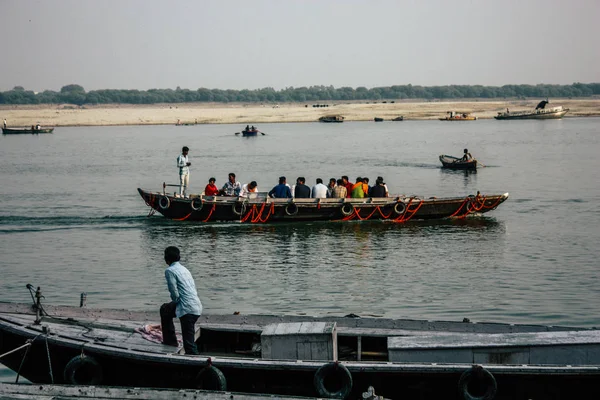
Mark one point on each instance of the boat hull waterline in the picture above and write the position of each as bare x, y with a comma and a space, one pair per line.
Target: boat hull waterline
260, 210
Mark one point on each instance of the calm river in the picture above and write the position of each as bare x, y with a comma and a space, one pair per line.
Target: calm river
71, 220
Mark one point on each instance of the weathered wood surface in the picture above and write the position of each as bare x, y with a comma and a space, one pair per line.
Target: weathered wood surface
12, 391
254, 323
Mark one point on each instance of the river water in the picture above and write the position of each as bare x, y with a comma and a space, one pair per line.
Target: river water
71, 220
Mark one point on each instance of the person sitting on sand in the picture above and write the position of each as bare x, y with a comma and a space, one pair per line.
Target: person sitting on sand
467, 156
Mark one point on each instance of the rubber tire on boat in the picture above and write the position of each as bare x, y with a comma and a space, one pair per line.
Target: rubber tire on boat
211, 378
83, 370
194, 203
349, 212
291, 209
241, 210
399, 208
342, 381
471, 376
162, 205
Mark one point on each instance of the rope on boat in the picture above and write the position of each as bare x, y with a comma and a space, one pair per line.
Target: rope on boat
49, 361
28, 343
405, 217
211, 212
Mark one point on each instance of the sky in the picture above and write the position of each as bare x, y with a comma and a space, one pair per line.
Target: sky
251, 44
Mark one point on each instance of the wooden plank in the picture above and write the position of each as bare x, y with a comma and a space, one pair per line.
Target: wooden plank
22, 391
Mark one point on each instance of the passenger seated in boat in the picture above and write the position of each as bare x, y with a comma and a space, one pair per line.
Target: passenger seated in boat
248, 188
378, 190
359, 189
467, 156
38, 127
231, 187
211, 189
339, 191
247, 128
252, 128
301, 191
281, 191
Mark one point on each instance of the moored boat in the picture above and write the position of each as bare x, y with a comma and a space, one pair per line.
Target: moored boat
331, 357
331, 118
399, 118
16, 131
378, 119
452, 162
540, 112
458, 116
261, 208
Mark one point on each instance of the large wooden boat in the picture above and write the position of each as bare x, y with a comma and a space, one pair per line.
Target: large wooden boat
540, 112
260, 208
332, 118
452, 162
458, 116
16, 131
329, 357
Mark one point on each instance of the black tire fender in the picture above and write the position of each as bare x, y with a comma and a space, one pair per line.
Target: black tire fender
211, 378
347, 209
485, 381
399, 208
238, 207
291, 209
83, 370
164, 202
196, 204
333, 381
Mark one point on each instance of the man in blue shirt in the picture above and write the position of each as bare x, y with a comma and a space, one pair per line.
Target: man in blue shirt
281, 191
184, 304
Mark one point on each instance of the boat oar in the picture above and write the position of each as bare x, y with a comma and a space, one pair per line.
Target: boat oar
237, 133
262, 133
480, 163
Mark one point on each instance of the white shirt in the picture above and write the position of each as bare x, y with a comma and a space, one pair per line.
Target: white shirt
244, 192
319, 191
182, 165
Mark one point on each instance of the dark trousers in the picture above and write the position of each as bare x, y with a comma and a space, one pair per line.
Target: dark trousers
167, 313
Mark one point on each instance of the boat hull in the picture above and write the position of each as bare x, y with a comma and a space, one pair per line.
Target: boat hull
125, 359
261, 210
451, 162
533, 115
249, 133
18, 131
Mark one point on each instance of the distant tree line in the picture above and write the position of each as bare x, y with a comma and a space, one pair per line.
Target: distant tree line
76, 94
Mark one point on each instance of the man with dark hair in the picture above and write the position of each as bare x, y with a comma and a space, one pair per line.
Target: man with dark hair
319, 191
348, 185
331, 186
378, 190
185, 303
281, 191
231, 187
340, 191
301, 191
183, 163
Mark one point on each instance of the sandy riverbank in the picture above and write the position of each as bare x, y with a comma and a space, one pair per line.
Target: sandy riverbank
218, 113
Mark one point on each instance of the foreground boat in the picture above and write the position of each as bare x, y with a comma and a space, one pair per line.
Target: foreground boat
16, 131
334, 357
540, 112
452, 162
261, 208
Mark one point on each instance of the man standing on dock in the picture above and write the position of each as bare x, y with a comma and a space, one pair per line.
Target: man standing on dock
185, 303
183, 163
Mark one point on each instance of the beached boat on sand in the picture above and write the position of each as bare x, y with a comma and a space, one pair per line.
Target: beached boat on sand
260, 208
17, 131
540, 112
332, 118
458, 116
452, 162
331, 357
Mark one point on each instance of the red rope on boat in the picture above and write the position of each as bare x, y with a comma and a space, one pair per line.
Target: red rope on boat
460, 207
258, 214
184, 218
250, 212
211, 211
403, 217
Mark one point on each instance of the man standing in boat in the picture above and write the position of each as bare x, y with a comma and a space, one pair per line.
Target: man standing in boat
183, 164
4, 123
185, 303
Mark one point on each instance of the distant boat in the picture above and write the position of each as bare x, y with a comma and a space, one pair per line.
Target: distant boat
540, 112
250, 132
399, 118
377, 119
331, 118
17, 131
458, 116
452, 162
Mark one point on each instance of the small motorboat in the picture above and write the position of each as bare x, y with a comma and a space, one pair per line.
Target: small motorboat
378, 119
452, 162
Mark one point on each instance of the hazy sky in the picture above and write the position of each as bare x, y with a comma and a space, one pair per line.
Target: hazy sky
145, 44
